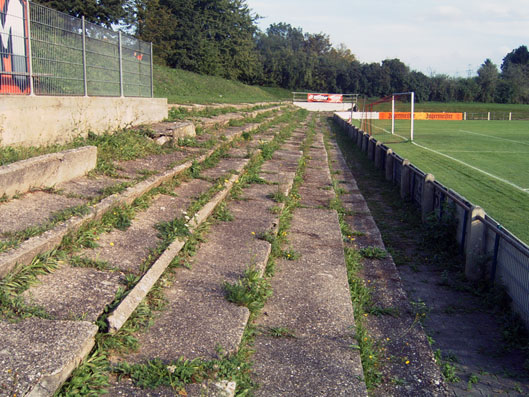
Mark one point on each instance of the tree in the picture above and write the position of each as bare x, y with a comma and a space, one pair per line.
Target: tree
214, 37
519, 56
487, 80
102, 12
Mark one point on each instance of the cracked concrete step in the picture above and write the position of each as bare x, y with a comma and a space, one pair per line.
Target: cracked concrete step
311, 303
57, 347
61, 292
27, 250
34, 209
198, 314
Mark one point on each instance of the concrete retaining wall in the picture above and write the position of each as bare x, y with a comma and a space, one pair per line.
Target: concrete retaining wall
45, 120
46, 170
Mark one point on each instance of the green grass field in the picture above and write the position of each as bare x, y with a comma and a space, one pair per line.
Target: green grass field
485, 161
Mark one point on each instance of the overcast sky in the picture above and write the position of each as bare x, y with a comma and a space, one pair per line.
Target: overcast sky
432, 36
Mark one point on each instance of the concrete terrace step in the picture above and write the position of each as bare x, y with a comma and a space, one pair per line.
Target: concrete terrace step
198, 107
311, 301
199, 317
46, 170
224, 119
402, 335
86, 189
80, 295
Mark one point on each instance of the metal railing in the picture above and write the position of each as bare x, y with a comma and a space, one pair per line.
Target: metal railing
57, 54
504, 256
520, 115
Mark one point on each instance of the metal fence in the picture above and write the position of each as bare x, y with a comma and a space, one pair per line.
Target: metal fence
496, 116
503, 257
57, 54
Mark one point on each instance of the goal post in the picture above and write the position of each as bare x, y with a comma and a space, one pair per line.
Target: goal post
394, 115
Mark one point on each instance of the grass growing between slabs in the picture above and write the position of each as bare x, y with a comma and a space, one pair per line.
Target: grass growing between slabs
484, 161
370, 349
92, 376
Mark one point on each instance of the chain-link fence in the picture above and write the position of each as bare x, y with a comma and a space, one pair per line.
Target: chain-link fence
57, 54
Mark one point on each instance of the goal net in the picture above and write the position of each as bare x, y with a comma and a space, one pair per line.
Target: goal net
391, 118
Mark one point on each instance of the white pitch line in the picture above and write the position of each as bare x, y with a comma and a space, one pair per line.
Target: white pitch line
389, 132
474, 168
494, 137
462, 162
484, 151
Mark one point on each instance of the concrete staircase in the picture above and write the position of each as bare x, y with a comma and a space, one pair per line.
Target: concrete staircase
110, 288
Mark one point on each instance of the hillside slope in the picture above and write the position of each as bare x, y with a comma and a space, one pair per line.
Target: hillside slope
180, 86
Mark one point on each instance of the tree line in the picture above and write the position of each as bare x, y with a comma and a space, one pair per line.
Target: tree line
220, 37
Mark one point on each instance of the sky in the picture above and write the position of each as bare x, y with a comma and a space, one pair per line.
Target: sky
452, 37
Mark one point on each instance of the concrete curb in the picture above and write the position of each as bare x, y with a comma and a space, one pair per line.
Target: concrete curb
26, 252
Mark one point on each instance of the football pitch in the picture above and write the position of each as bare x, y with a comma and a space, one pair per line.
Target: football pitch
487, 162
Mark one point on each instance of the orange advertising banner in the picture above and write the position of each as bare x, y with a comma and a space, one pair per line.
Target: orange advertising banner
398, 115
421, 116
445, 116
329, 98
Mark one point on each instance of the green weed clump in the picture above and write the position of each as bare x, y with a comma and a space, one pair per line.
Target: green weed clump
251, 290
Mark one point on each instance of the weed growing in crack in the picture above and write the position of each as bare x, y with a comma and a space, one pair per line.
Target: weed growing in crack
268, 236
222, 213
373, 253
278, 197
79, 261
448, 370
290, 254
281, 332
171, 230
89, 378
251, 290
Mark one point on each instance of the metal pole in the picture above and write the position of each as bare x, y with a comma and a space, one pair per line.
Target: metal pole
392, 114
152, 73
30, 60
120, 66
85, 77
412, 112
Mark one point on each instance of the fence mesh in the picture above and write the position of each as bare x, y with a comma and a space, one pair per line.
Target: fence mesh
69, 57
